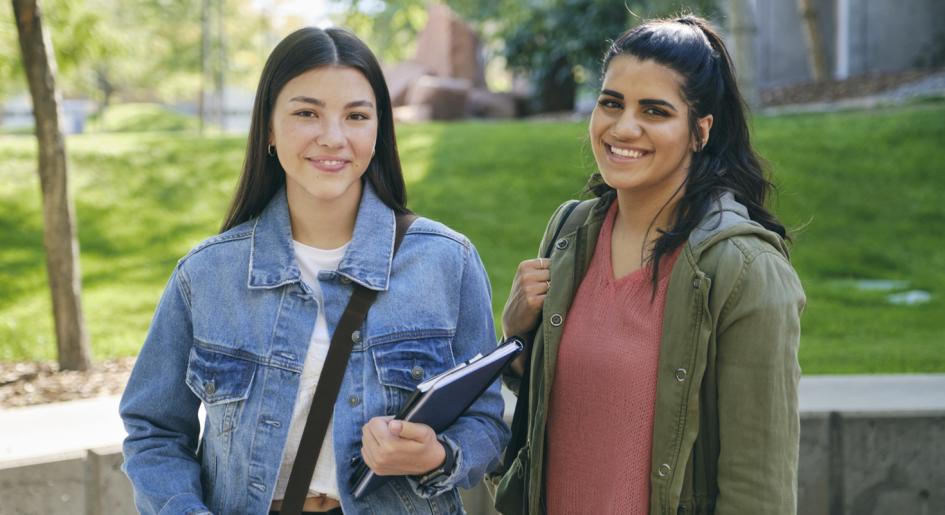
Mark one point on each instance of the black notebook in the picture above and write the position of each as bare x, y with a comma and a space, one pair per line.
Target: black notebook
441, 399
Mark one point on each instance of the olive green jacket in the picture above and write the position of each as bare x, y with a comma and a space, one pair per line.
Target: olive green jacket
726, 426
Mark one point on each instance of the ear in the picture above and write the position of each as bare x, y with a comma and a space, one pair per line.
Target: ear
704, 125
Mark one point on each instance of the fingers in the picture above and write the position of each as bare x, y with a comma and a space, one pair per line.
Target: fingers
394, 447
529, 288
421, 433
534, 276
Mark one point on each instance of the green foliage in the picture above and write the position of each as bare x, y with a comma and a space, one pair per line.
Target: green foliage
557, 43
141, 48
389, 28
560, 42
862, 189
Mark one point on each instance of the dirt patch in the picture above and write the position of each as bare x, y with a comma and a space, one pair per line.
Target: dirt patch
25, 384
854, 87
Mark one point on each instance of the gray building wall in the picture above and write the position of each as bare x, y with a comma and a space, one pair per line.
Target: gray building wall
859, 37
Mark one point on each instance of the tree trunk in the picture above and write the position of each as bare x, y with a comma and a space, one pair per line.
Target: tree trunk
815, 46
557, 88
221, 67
62, 248
204, 60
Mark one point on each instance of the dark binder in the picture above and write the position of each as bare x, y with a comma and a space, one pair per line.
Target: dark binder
441, 399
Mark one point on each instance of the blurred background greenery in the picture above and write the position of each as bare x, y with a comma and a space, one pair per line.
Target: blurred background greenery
860, 188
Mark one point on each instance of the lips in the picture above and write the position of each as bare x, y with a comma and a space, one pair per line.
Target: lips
328, 164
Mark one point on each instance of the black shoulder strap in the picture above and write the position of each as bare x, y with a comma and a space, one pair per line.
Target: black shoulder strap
329, 384
568, 223
572, 216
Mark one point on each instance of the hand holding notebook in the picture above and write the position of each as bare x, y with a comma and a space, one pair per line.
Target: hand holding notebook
440, 400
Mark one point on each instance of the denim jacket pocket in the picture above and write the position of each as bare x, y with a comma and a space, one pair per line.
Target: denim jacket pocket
221, 382
403, 364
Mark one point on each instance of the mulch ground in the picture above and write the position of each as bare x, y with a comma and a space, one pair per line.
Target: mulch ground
25, 384
828, 91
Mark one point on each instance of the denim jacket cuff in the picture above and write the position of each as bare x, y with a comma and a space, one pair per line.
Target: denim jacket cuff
445, 484
187, 503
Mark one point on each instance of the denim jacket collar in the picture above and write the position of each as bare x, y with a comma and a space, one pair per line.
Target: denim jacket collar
367, 260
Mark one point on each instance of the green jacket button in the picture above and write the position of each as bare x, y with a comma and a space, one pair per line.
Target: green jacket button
556, 320
680, 374
664, 470
561, 244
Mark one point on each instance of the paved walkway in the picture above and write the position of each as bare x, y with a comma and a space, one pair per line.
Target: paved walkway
54, 430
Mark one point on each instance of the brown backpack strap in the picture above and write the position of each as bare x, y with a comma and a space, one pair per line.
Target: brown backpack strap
329, 384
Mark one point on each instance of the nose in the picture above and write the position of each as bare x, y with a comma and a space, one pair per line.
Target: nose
626, 127
331, 135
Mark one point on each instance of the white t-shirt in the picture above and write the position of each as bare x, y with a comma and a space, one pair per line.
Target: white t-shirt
311, 261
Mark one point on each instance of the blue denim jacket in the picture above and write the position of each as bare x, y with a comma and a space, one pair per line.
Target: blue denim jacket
231, 332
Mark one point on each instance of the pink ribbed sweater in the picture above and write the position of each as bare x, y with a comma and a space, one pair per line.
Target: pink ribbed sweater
601, 416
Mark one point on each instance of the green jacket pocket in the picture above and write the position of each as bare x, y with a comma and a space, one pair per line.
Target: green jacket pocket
510, 488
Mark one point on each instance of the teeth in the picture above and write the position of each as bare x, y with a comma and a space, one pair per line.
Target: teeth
332, 163
626, 152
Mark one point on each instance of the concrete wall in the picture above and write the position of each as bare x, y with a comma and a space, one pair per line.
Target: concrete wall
850, 464
88, 482
859, 37
780, 44
872, 464
893, 35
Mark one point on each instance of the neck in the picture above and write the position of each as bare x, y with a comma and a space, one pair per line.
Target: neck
322, 224
643, 215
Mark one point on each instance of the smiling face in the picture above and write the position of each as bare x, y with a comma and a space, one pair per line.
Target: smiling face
639, 128
324, 126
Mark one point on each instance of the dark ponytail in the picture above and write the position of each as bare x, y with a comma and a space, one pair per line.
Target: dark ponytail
728, 162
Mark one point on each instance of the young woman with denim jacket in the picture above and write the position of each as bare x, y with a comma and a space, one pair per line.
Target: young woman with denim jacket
663, 369
244, 323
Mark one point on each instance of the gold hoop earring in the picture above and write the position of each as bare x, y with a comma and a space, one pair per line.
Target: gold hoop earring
271, 150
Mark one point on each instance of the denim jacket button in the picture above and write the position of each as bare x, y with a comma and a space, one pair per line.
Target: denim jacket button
561, 244
417, 373
354, 400
356, 337
345, 280
556, 320
664, 470
680, 374
210, 387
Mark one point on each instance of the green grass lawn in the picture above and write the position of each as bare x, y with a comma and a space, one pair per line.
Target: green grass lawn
862, 189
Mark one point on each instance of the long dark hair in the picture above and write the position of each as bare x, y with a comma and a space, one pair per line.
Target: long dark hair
727, 163
299, 52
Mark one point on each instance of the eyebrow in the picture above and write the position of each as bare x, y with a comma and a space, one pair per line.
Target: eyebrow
643, 101
321, 103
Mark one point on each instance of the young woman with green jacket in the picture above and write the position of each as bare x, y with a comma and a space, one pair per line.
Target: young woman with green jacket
662, 375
